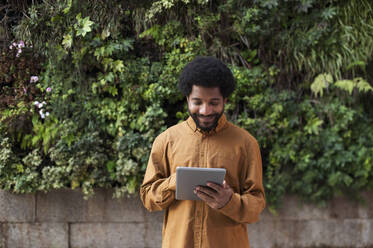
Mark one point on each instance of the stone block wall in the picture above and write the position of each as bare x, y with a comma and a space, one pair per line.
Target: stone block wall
63, 219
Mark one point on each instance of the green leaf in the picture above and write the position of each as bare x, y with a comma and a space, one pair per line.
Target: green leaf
321, 82
363, 86
83, 26
360, 64
105, 33
118, 66
313, 126
110, 165
67, 41
75, 184
131, 185
35, 140
67, 9
346, 85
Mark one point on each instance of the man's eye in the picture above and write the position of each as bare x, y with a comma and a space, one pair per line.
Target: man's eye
214, 103
197, 103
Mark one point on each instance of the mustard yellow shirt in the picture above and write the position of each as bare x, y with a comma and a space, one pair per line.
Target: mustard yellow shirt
194, 224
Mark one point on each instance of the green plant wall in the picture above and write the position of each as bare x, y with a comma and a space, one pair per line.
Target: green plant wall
88, 85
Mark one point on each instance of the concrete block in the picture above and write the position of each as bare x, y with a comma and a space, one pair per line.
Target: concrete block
286, 232
272, 234
107, 235
69, 206
320, 233
293, 208
351, 233
2, 236
344, 208
37, 235
311, 233
64, 206
366, 208
153, 229
261, 234
16, 207
367, 233
126, 209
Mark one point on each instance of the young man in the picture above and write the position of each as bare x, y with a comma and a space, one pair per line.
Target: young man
206, 139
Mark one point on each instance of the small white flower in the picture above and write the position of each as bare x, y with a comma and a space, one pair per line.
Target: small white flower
36, 103
44, 103
42, 115
40, 105
34, 79
10, 47
47, 114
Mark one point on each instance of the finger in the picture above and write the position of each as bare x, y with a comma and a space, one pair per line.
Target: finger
214, 186
207, 199
208, 191
225, 185
203, 196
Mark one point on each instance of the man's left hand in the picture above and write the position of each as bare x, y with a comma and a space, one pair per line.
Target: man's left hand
215, 195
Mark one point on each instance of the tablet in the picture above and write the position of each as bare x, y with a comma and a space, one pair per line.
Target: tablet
187, 178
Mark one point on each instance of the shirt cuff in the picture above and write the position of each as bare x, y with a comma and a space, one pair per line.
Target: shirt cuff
230, 209
172, 182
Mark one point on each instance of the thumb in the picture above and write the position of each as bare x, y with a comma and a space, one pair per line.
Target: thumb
225, 185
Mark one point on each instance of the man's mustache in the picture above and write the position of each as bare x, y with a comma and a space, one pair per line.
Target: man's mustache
199, 115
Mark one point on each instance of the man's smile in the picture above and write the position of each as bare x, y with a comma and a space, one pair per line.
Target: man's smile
208, 118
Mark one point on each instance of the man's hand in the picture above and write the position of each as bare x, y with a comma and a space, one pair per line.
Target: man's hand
215, 195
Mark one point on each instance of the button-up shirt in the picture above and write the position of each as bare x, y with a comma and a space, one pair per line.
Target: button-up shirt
194, 224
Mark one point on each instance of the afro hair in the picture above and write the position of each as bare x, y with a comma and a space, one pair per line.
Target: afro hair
209, 72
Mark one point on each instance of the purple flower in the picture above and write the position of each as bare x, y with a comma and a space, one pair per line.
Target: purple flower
34, 79
49, 89
21, 44
10, 47
14, 44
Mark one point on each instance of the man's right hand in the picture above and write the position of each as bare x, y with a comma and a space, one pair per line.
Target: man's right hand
215, 195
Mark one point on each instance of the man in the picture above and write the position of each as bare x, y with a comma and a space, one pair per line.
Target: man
206, 139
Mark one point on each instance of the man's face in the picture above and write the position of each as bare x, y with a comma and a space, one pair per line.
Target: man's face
206, 105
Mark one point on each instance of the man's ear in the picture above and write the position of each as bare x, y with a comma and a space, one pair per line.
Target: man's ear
225, 100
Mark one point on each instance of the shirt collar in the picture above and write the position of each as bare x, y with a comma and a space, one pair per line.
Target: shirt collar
221, 124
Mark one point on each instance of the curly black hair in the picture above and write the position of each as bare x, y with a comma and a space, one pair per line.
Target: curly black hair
206, 71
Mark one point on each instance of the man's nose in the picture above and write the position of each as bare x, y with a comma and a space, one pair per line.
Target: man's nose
205, 109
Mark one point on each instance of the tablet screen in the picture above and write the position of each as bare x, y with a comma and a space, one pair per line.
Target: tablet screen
187, 178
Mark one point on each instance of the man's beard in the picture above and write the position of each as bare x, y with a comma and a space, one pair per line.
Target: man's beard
209, 128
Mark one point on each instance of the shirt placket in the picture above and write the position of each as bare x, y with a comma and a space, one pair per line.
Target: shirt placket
199, 211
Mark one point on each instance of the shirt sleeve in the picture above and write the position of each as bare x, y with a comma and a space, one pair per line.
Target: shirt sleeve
157, 191
246, 206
